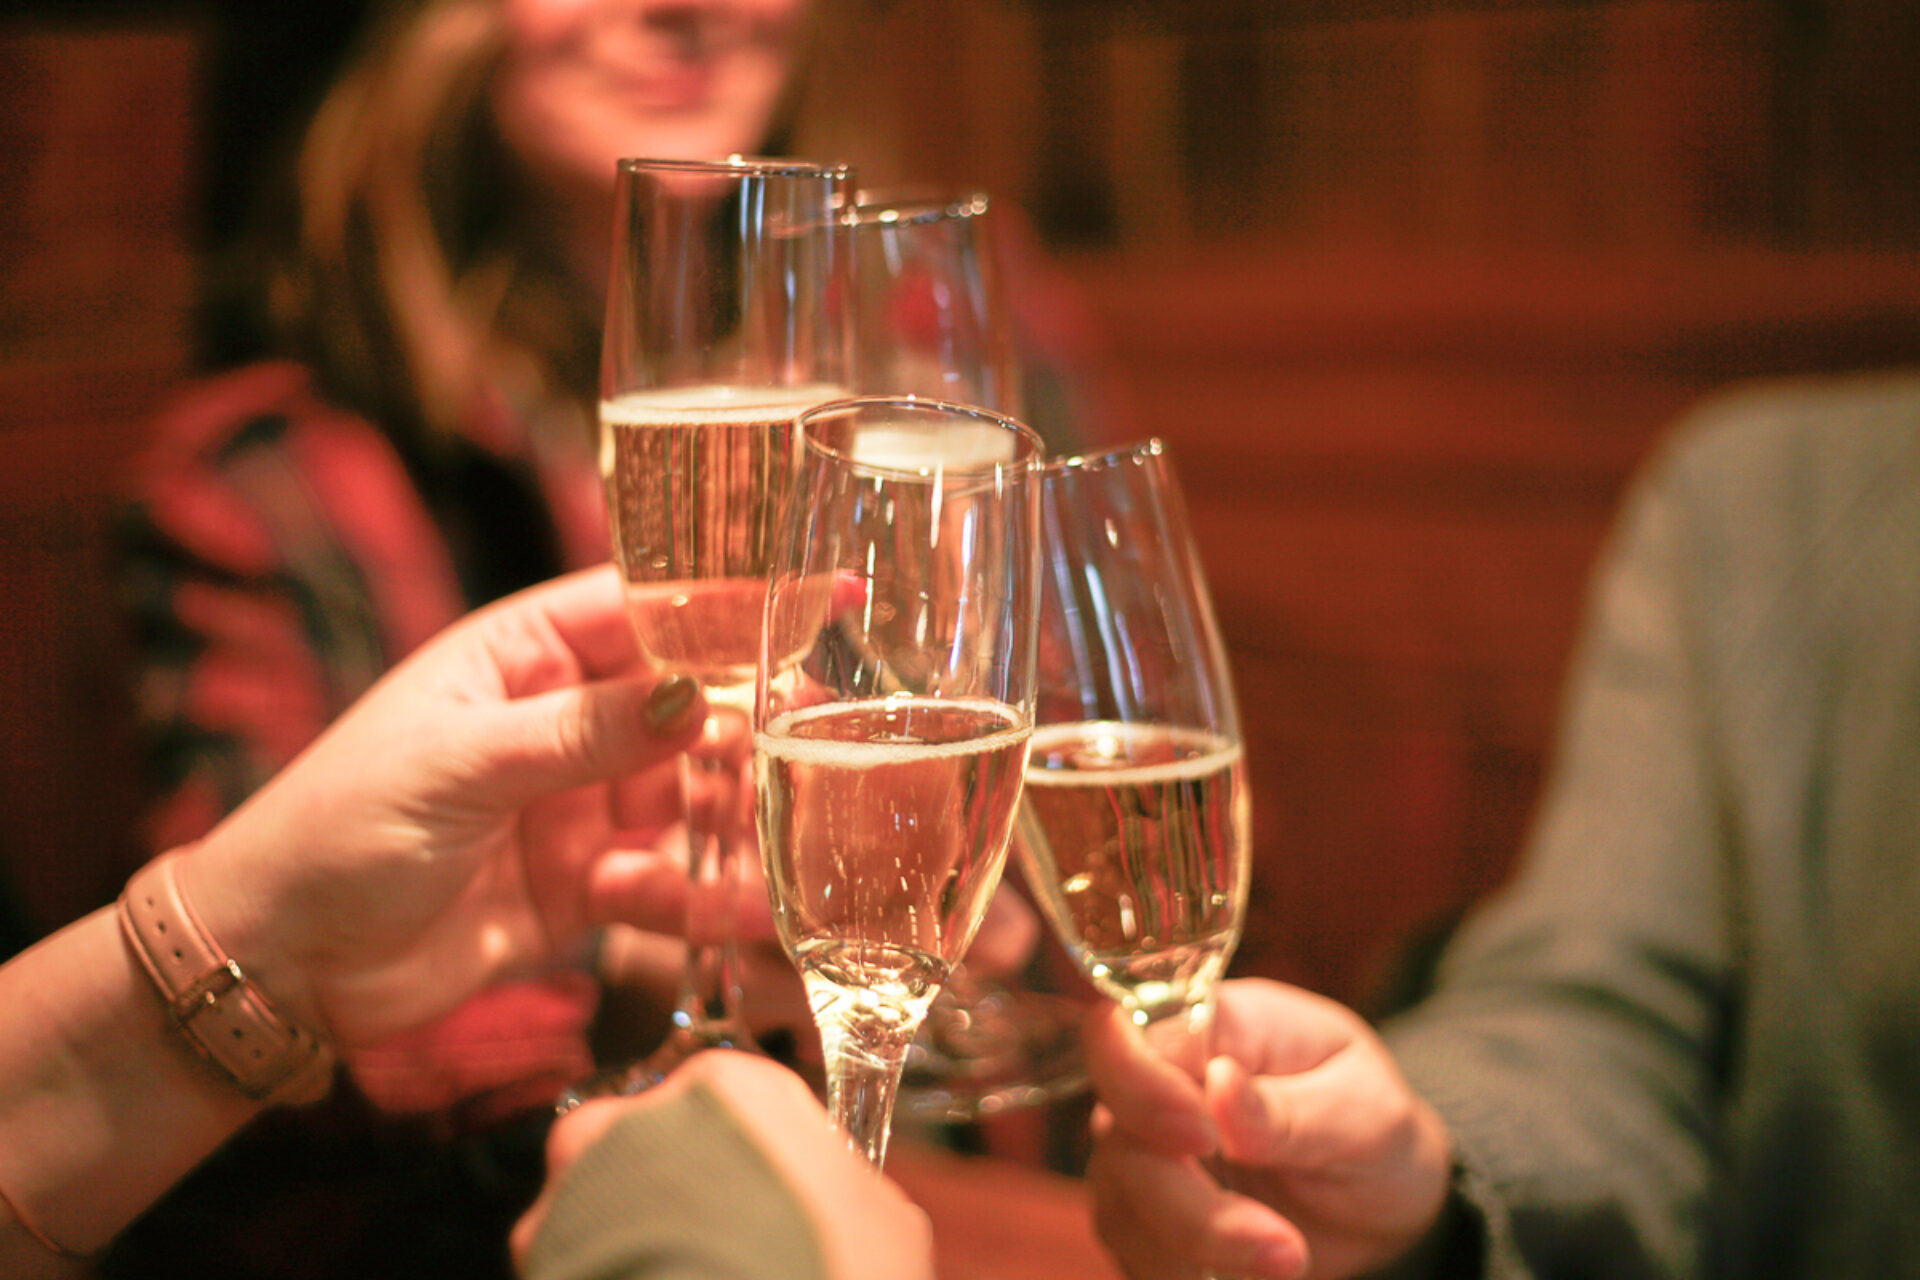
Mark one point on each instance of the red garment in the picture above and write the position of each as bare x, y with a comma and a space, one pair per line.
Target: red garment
284, 554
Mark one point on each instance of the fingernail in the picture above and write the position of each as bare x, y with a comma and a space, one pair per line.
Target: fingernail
666, 707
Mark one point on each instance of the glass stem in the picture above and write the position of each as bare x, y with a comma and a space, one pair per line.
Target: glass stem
707, 1010
864, 1064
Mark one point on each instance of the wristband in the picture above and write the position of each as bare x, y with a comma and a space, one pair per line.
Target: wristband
211, 1000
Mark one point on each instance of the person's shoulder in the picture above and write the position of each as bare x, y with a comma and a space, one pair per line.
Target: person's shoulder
1788, 448
1816, 436
1791, 491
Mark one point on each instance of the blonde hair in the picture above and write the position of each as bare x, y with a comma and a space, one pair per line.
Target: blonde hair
407, 271
406, 262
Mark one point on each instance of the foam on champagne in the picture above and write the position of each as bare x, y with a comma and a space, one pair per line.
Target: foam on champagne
695, 481
952, 446
712, 406
784, 737
1104, 758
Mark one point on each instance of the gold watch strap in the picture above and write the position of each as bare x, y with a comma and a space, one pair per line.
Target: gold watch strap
216, 1006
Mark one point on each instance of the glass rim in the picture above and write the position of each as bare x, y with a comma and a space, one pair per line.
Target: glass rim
915, 206
1153, 448
1037, 448
739, 165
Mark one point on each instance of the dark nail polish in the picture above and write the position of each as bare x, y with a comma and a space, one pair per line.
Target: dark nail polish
666, 706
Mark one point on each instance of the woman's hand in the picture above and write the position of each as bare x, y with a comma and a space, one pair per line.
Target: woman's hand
1336, 1163
456, 824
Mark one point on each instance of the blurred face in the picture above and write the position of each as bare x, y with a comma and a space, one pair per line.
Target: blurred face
589, 81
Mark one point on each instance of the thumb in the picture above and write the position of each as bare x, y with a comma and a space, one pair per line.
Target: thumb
593, 732
1316, 1119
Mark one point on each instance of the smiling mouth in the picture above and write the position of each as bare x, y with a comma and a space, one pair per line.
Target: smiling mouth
672, 88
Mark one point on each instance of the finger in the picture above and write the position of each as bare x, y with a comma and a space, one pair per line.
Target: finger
726, 739
1246, 1238
1345, 1115
587, 612
1163, 1217
647, 799
1277, 1029
635, 960
1251, 1132
554, 634
647, 888
1150, 1098
753, 913
574, 736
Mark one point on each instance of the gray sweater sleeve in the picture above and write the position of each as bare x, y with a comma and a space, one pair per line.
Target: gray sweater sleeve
675, 1192
1679, 1042
1571, 1038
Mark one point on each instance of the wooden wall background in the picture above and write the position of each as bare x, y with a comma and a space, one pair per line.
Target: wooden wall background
99, 138
1411, 287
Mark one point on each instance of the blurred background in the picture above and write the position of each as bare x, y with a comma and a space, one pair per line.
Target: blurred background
1411, 287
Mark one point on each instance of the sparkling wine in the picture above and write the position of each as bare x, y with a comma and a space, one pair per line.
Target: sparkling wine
1135, 840
695, 479
885, 825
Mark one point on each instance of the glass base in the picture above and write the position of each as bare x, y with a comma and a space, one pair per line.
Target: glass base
999, 1051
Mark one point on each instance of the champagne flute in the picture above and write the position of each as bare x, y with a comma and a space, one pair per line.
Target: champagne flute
890, 730
725, 318
933, 315
933, 321
1134, 832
